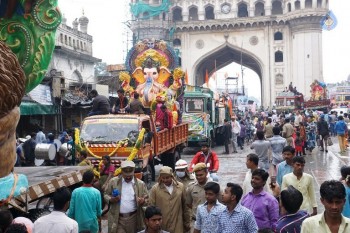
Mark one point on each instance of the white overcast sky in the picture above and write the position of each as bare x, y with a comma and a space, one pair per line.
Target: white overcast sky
110, 43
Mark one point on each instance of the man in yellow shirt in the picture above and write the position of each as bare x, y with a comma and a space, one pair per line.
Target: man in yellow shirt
331, 220
304, 183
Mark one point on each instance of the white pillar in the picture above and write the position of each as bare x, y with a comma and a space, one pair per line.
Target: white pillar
314, 3
268, 7
185, 12
302, 4
234, 8
251, 9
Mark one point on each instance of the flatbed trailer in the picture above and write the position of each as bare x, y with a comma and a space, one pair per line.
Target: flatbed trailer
43, 182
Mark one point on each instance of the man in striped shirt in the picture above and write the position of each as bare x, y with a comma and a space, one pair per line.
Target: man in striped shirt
291, 200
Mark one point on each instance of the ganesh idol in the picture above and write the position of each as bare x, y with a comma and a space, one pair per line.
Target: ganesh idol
153, 66
151, 78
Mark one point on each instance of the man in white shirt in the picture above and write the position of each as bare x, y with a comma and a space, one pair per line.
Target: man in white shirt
304, 183
40, 136
57, 221
298, 119
126, 195
236, 129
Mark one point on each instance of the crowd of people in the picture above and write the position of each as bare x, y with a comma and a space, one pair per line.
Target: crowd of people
279, 198
25, 148
180, 203
303, 130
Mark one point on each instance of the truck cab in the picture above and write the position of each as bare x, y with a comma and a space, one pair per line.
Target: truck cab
203, 114
100, 135
116, 135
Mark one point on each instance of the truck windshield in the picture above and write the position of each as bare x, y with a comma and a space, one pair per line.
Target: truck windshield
102, 131
194, 105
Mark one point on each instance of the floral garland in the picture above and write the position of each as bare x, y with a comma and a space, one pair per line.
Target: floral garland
134, 150
119, 144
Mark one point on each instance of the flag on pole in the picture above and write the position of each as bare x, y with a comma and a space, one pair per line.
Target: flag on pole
186, 77
329, 21
206, 77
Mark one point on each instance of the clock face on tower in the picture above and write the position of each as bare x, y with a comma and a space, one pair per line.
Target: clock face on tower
225, 8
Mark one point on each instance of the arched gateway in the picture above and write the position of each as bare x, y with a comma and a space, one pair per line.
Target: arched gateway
281, 40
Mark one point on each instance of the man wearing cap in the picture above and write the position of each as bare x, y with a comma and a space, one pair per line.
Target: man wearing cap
209, 158
182, 174
195, 193
126, 195
170, 196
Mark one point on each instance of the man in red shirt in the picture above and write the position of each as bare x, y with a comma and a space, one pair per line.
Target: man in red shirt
166, 120
210, 158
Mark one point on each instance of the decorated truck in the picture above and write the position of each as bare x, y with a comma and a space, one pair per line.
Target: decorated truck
154, 75
205, 116
291, 100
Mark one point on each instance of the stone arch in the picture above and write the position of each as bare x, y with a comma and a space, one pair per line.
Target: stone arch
297, 5
193, 13
224, 55
209, 12
289, 6
308, 3
278, 56
177, 14
278, 36
276, 8
259, 9
242, 10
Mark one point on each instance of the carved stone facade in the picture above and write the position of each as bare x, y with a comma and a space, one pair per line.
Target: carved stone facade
73, 53
281, 40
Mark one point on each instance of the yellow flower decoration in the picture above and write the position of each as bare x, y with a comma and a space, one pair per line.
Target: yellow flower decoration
134, 150
178, 73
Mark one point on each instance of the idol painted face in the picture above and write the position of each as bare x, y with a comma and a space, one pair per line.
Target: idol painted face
150, 73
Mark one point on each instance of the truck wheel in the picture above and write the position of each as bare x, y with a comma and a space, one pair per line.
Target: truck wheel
147, 176
34, 214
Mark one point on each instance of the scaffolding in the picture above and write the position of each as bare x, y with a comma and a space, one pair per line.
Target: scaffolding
233, 90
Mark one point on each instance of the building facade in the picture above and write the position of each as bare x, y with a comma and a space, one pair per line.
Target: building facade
281, 40
70, 75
